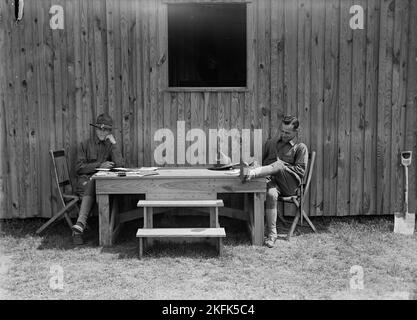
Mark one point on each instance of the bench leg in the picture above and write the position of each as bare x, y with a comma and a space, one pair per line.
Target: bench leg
148, 223
214, 223
214, 217
140, 248
220, 247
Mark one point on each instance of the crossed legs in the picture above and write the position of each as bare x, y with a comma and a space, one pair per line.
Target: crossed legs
280, 182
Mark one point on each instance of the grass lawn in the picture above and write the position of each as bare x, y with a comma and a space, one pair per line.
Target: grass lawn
310, 266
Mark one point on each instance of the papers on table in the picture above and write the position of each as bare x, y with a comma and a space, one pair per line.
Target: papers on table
143, 169
105, 174
148, 169
140, 174
127, 172
234, 172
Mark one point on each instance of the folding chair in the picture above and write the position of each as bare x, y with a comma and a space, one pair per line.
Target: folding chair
299, 199
67, 198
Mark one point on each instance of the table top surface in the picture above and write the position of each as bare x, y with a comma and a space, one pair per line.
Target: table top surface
180, 173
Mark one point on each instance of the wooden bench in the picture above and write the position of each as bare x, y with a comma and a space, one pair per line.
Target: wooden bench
182, 233
214, 231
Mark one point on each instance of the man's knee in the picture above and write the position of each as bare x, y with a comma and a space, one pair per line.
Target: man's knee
286, 183
90, 188
272, 194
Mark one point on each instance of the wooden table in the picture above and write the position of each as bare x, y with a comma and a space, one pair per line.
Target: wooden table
181, 184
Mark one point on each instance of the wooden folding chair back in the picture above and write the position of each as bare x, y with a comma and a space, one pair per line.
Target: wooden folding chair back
307, 177
298, 200
62, 174
68, 200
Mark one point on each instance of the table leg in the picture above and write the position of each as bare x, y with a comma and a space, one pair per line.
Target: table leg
114, 219
249, 210
104, 219
258, 218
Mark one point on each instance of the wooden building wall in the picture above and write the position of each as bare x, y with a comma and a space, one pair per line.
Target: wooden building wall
355, 92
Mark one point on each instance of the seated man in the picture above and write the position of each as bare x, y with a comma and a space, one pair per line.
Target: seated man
284, 163
99, 152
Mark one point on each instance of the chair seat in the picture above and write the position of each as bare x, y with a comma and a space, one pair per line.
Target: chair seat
68, 197
288, 199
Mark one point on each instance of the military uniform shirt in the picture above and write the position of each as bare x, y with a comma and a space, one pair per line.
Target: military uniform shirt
294, 155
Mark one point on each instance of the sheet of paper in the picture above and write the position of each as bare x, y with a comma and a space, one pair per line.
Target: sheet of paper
128, 174
140, 174
105, 174
148, 168
143, 169
234, 172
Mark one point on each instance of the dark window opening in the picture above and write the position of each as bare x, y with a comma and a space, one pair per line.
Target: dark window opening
207, 45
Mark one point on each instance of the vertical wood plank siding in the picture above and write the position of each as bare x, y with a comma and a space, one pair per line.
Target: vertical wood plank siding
354, 91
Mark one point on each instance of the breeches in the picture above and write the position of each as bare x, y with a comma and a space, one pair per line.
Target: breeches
281, 183
86, 186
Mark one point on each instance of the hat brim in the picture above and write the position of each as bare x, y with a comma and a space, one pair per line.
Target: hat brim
101, 126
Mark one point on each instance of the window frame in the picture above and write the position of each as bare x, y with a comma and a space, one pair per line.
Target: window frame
163, 47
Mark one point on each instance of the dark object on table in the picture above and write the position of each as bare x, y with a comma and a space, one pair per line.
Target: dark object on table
223, 166
223, 163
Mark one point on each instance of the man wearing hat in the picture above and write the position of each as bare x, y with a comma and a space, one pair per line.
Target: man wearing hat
100, 152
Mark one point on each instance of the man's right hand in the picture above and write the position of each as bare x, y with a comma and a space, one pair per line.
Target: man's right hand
281, 161
107, 165
111, 139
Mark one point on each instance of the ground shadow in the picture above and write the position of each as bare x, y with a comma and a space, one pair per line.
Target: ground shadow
126, 245
59, 235
323, 224
303, 228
